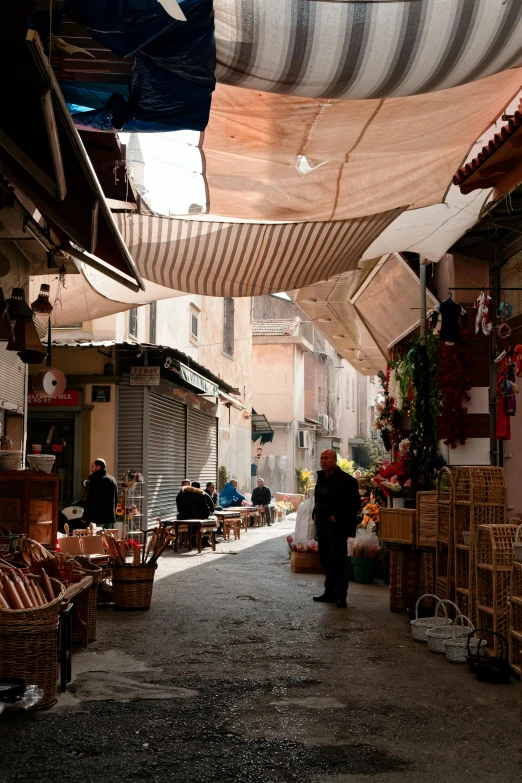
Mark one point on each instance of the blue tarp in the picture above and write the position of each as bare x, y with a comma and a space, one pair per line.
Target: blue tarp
173, 75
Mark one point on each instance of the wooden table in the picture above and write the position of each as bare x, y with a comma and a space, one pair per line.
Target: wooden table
231, 521
201, 528
78, 595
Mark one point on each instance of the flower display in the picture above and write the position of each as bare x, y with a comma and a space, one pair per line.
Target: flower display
370, 513
392, 477
302, 546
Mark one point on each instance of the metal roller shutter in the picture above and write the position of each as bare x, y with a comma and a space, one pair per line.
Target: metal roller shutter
202, 456
166, 455
130, 427
12, 381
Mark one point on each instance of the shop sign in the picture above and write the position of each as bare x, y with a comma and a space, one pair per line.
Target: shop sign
144, 376
101, 394
197, 380
69, 399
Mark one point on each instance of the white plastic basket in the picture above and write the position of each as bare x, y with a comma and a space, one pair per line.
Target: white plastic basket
437, 636
517, 546
42, 462
420, 625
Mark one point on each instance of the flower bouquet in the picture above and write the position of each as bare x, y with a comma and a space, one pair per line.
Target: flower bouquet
284, 505
364, 550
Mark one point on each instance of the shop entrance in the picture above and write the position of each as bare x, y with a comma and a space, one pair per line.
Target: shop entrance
55, 433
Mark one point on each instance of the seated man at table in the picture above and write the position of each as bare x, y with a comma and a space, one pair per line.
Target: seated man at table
193, 503
261, 496
230, 496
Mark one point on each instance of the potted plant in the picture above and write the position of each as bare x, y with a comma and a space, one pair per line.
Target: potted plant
363, 551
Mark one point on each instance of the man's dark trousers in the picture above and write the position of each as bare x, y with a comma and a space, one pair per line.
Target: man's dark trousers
332, 538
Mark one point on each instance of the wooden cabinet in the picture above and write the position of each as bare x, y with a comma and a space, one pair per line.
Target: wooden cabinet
29, 504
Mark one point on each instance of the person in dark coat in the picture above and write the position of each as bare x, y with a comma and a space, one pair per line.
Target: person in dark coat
261, 496
194, 503
102, 496
210, 489
337, 503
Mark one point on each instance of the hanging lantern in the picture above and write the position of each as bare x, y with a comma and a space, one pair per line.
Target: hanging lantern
18, 308
49, 383
42, 304
27, 343
6, 327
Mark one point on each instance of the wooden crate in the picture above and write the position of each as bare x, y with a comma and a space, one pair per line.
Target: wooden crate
305, 563
427, 518
397, 525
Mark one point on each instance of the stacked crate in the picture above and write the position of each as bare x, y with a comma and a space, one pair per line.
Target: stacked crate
515, 618
480, 498
445, 510
494, 562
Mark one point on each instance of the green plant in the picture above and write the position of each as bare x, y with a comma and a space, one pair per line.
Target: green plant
223, 477
305, 480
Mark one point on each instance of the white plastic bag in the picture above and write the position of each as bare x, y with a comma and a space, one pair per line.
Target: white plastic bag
305, 528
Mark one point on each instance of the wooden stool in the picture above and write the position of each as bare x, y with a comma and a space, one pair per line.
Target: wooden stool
182, 537
208, 531
231, 524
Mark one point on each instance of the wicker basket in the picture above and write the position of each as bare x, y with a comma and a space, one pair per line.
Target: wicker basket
10, 460
28, 644
517, 546
132, 586
437, 636
427, 518
41, 462
456, 648
420, 625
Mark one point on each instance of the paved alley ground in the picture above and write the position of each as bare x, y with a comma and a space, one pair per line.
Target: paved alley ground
235, 675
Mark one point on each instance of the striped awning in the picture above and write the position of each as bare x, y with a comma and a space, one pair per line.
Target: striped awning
223, 258
370, 49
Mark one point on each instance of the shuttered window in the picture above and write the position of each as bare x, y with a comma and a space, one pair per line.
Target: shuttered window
228, 326
202, 447
130, 427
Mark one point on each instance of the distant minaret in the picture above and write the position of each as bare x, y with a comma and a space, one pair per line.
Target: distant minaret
136, 162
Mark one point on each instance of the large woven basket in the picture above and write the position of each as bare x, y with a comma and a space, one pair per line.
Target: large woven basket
420, 625
437, 636
456, 648
10, 460
132, 586
29, 647
42, 462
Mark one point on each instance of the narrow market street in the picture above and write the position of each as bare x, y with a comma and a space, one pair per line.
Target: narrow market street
235, 674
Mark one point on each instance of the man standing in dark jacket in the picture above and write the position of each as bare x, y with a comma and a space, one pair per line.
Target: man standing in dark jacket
102, 496
261, 496
337, 502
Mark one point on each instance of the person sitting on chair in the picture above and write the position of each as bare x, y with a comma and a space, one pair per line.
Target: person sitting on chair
261, 496
230, 496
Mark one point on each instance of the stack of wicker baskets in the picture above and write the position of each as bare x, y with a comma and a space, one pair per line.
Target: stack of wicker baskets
133, 585
28, 646
480, 498
515, 606
494, 553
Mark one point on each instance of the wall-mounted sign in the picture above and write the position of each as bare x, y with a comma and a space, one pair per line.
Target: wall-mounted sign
69, 399
144, 376
101, 394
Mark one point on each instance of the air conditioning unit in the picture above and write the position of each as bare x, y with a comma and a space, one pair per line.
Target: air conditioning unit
323, 420
303, 439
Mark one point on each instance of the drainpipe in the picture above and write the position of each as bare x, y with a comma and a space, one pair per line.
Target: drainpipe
422, 287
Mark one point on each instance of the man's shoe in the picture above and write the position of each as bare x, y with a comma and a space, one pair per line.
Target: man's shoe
342, 605
324, 599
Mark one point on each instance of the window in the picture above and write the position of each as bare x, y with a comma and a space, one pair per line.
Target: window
347, 391
194, 323
228, 326
152, 322
133, 322
353, 394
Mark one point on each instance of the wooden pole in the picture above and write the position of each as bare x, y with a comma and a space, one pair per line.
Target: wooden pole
422, 287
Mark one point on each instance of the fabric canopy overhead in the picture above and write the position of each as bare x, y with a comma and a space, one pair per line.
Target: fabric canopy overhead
280, 157
384, 49
223, 258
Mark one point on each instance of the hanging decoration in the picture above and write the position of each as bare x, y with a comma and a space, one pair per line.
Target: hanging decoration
482, 314
424, 413
6, 327
18, 308
49, 384
41, 304
453, 384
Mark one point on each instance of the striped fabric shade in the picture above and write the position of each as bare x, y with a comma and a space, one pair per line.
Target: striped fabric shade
219, 258
370, 49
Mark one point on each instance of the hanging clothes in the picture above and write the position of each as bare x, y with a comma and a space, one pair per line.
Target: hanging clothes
449, 312
482, 314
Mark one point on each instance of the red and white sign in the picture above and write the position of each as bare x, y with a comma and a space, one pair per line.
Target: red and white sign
69, 399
